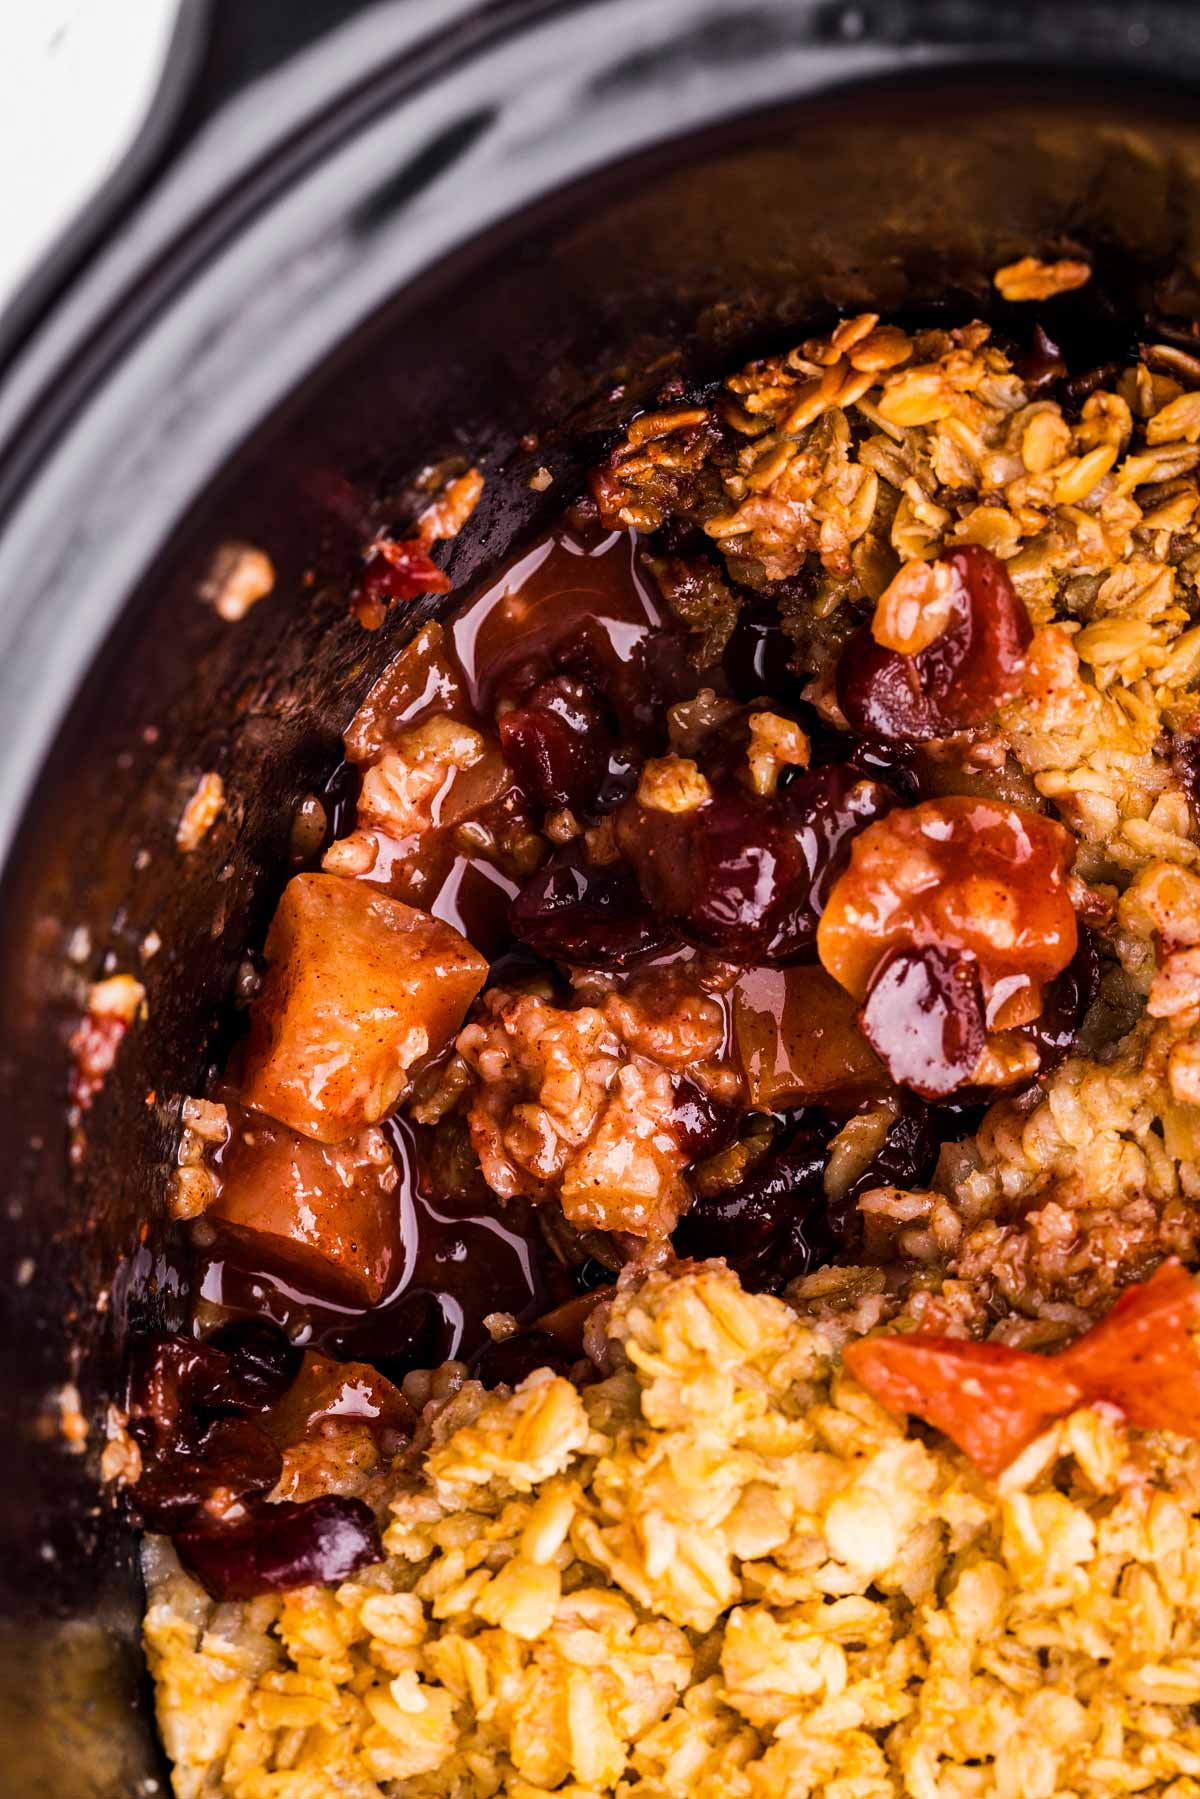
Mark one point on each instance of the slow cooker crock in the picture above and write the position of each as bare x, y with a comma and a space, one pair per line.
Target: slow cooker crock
352, 240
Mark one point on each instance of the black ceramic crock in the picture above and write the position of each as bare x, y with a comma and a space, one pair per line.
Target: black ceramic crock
354, 239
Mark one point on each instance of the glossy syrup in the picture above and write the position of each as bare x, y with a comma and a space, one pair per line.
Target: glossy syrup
462, 1258
459, 1263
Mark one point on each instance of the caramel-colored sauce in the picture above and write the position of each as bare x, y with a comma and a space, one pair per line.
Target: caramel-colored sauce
566, 587
456, 1262
798, 1041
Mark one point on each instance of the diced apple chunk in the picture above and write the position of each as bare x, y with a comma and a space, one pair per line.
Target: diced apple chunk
334, 1425
327, 1392
361, 993
327, 1216
797, 1038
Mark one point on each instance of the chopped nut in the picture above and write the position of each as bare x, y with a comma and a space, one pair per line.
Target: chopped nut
201, 812
856, 1145
351, 856
192, 1192
672, 784
240, 576
541, 479
500, 1326
206, 1119
121, 1458
775, 743
567, 1107
915, 607
448, 514
562, 826
119, 996
1032, 279
960, 874
1005, 1060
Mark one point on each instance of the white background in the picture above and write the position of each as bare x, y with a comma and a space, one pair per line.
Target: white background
75, 79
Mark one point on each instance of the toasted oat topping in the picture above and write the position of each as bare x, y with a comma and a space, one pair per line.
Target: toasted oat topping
724, 1569
1032, 279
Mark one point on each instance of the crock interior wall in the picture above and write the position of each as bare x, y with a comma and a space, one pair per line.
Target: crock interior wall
555, 323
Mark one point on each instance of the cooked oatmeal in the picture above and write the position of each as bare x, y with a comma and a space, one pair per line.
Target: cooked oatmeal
694, 1242
723, 1570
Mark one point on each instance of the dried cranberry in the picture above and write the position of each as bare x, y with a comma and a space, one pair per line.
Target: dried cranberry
718, 873
509, 1361
232, 1460
1042, 365
896, 763
169, 1377
963, 675
265, 1361
750, 876
557, 744
924, 1019
826, 809
190, 1409
590, 1275
640, 672
1185, 766
592, 916
906, 1158
174, 1379
291, 1544
1065, 1004
880, 692
772, 1226
700, 1124
399, 570
620, 778
94, 1044
1081, 387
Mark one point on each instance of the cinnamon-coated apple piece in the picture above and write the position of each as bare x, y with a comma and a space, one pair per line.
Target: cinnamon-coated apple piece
327, 1215
797, 1039
361, 993
334, 1427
